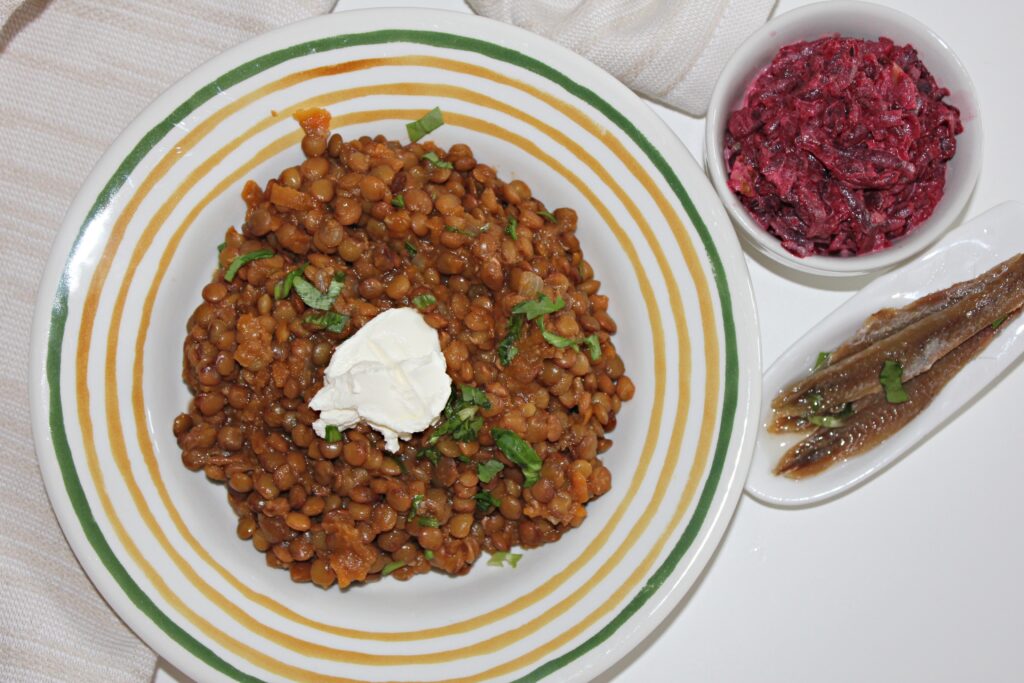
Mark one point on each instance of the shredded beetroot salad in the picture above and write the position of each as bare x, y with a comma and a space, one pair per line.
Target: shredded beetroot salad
841, 145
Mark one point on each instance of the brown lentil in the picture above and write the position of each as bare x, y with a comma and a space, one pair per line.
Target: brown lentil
340, 512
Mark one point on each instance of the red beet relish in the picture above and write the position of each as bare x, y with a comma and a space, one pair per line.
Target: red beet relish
841, 145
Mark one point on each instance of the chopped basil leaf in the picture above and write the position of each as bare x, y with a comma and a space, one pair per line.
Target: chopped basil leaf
486, 471
538, 307
461, 419
474, 396
891, 379
424, 301
996, 324
823, 359
485, 501
429, 554
430, 122
547, 215
815, 402
411, 249
390, 567
499, 558
414, 508
240, 261
313, 297
829, 421
398, 201
507, 346
510, 227
284, 287
452, 228
428, 521
464, 458
220, 247
436, 160
332, 434
431, 454
329, 320
520, 452
560, 342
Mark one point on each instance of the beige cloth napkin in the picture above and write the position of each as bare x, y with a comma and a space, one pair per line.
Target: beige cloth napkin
73, 74
669, 50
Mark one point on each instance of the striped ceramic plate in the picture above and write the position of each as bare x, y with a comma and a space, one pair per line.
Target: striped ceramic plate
139, 242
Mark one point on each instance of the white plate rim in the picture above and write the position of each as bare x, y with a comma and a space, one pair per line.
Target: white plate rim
734, 444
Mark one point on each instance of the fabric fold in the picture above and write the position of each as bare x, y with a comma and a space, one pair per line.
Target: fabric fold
668, 50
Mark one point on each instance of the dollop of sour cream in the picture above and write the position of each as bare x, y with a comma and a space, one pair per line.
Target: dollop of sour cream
390, 374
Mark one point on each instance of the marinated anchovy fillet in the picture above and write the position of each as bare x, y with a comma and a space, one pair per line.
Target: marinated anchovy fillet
890, 320
915, 348
874, 419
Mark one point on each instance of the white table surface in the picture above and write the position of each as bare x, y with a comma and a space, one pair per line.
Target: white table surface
918, 575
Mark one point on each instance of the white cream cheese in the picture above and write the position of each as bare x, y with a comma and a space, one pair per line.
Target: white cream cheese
390, 374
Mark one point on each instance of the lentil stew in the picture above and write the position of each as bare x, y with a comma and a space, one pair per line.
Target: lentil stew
359, 227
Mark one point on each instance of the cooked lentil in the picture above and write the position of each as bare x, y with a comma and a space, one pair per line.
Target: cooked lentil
344, 511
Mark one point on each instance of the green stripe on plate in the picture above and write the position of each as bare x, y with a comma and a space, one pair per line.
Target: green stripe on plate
58, 320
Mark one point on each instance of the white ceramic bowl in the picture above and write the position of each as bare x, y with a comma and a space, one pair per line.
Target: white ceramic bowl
140, 241
858, 20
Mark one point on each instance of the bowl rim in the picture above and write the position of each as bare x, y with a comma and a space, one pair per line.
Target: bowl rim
733, 269
951, 203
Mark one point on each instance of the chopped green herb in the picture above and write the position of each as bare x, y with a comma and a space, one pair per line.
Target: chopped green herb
542, 305
390, 567
510, 227
829, 421
478, 397
520, 452
220, 247
429, 554
411, 249
507, 346
332, 434
415, 506
815, 402
313, 297
431, 454
547, 215
823, 359
398, 201
427, 521
464, 458
328, 320
485, 501
996, 324
461, 419
436, 160
424, 301
452, 228
430, 122
240, 261
891, 379
486, 471
559, 342
499, 558
283, 288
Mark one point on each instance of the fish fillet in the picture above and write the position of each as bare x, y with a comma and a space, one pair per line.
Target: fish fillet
915, 347
874, 419
887, 321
